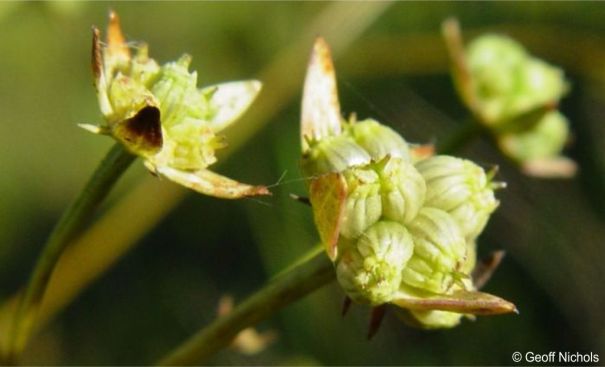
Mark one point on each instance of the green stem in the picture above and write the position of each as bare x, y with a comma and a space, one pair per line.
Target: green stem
279, 293
468, 130
117, 160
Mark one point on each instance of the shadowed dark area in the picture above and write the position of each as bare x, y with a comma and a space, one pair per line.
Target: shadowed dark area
145, 126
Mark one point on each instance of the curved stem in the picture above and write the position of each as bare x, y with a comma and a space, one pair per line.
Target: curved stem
279, 293
109, 171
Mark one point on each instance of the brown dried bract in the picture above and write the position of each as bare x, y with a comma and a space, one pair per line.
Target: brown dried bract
469, 302
97, 56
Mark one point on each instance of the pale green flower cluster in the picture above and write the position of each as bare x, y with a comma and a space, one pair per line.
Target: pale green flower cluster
408, 228
515, 95
508, 81
158, 113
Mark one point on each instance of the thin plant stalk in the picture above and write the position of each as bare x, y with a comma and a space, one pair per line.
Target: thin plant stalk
115, 163
280, 292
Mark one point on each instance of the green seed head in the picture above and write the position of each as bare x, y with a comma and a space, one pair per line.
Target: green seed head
439, 251
378, 140
370, 269
543, 140
508, 81
462, 189
539, 84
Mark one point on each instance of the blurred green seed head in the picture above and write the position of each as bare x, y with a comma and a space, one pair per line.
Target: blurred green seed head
539, 84
439, 251
378, 140
462, 189
370, 269
492, 59
545, 139
508, 81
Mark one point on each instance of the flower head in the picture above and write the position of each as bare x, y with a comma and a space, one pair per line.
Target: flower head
515, 96
508, 81
399, 226
158, 113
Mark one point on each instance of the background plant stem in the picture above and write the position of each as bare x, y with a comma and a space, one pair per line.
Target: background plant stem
279, 293
106, 175
464, 133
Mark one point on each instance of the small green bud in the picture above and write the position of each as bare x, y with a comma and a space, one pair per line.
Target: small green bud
370, 269
402, 189
462, 189
363, 206
379, 140
439, 251
333, 154
545, 139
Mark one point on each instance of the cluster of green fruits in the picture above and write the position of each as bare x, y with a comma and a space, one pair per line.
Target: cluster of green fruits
408, 225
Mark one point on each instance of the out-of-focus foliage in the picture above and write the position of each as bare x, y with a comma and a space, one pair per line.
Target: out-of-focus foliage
395, 70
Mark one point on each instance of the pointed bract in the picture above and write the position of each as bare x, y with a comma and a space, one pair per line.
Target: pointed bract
230, 101
116, 44
320, 115
468, 302
209, 183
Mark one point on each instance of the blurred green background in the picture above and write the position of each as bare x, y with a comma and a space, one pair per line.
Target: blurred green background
191, 250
